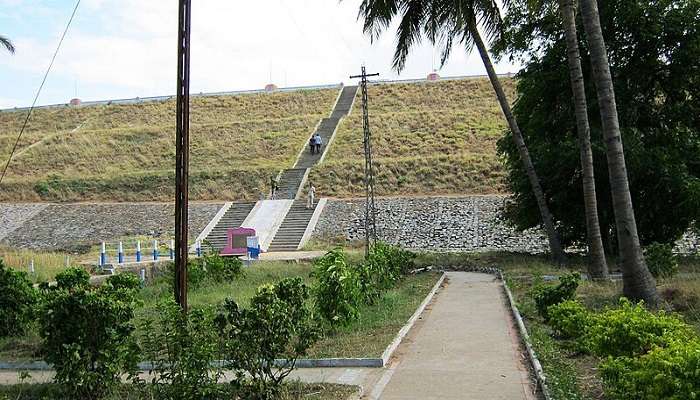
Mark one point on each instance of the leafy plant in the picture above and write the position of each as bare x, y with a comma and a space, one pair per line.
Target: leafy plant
337, 288
86, 335
17, 301
72, 278
183, 349
669, 373
277, 325
221, 269
632, 330
548, 295
382, 269
570, 319
661, 261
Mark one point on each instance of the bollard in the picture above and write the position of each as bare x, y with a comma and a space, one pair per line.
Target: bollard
120, 255
138, 251
199, 248
31, 266
103, 254
67, 261
142, 275
155, 250
172, 249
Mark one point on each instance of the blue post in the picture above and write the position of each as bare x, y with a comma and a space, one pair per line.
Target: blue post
103, 255
199, 248
172, 249
155, 250
138, 251
120, 255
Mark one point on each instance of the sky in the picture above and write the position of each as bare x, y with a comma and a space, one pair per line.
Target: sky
127, 48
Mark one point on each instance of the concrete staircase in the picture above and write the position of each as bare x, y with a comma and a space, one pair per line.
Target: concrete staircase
290, 181
347, 97
292, 230
233, 218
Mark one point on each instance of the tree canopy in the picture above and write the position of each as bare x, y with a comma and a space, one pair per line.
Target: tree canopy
654, 50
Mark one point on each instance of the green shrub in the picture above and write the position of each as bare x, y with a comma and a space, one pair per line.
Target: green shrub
86, 335
671, 373
549, 295
632, 330
183, 349
337, 288
17, 301
661, 261
384, 266
123, 281
221, 269
570, 319
72, 278
277, 325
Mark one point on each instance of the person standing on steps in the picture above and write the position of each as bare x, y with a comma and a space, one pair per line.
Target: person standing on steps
310, 197
312, 143
274, 186
318, 142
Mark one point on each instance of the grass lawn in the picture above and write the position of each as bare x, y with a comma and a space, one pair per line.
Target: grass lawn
379, 322
291, 391
572, 375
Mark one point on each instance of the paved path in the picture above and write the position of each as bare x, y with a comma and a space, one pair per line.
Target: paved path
464, 347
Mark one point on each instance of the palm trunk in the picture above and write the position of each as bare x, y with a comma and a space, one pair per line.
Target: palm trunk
638, 284
554, 244
597, 267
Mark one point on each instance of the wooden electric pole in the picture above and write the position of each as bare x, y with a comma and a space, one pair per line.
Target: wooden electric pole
370, 211
182, 147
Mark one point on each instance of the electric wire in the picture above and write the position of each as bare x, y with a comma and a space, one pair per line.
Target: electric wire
38, 92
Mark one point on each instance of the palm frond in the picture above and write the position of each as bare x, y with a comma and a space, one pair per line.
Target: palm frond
6, 43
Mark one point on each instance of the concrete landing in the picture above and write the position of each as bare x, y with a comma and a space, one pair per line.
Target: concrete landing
464, 347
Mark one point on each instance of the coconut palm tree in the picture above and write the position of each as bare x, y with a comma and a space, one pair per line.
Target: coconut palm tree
445, 22
7, 44
638, 284
597, 266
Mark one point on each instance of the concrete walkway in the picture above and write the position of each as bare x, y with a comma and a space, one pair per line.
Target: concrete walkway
465, 346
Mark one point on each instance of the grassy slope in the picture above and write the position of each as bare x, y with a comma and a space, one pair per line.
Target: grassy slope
428, 138
126, 152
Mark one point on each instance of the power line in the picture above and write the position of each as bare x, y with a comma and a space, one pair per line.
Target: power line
38, 92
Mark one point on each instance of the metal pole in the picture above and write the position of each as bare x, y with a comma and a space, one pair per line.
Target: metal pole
370, 212
182, 151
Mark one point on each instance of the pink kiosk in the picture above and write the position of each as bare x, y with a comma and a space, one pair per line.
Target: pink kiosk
237, 241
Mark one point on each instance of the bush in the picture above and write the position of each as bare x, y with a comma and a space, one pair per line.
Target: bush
17, 301
183, 348
72, 278
548, 295
86, 334
384, 266
661, 261
632, 330
663, 373
221, 269
278, 325
337, 288
569, 319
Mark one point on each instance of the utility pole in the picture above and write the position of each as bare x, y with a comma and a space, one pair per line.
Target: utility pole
182, 149
370, 211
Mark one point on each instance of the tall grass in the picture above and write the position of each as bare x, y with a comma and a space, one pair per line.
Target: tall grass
46, 264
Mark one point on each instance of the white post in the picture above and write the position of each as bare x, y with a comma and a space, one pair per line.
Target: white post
31, 266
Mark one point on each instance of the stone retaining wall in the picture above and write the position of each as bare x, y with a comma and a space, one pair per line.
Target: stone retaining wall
469, 223
70, 227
